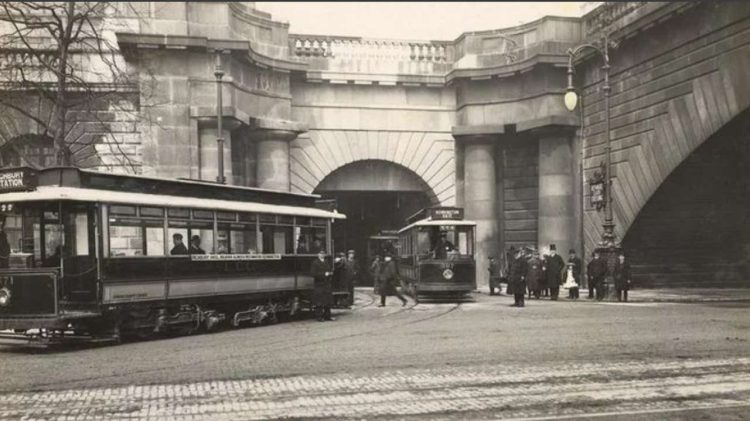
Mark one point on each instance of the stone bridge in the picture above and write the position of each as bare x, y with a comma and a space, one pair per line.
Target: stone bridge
476, 122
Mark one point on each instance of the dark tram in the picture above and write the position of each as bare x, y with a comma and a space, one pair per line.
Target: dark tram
94, 256
436, 256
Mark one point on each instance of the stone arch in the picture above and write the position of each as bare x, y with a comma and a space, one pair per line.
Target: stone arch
686, 122
428, 155
376, 175
690, 233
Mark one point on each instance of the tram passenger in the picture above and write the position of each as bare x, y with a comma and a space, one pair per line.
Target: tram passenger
54, 259
179, 247
388, 279
195, 245
322, 298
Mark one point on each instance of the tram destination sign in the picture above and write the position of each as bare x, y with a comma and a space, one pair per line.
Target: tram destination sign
19, 179
443, 214
233, 257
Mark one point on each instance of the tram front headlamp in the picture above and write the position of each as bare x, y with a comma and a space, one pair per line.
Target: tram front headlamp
4, 296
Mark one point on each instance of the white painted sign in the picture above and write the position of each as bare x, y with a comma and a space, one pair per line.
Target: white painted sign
229, 257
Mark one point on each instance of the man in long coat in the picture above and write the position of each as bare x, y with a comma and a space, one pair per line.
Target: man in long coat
534, 274
517, 278
388, 277
554, 266
322, 298
351, 274
597, 270
622, 277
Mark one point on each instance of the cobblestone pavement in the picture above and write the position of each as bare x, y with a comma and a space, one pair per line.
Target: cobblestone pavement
469, 392
478, 359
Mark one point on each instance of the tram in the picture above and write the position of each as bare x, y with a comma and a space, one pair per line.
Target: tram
89, 255
436, 256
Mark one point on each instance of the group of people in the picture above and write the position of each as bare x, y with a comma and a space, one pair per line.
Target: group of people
341, 277
525, 272
179, 247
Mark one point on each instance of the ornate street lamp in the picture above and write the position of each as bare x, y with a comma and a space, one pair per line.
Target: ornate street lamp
608, 247
219, 73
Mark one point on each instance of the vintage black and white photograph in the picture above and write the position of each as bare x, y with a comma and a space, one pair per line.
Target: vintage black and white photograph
375, 210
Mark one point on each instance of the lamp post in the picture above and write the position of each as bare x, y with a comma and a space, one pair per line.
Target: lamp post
608, 246
219, 73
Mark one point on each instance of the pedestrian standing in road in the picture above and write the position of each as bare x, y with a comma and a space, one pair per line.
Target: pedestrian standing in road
389, 280
322, 297
574, 271
510, 255
375, 267
338, 283
622, 277
517, 278
351, 274
495, 275
534, 274
597, 270
554, 266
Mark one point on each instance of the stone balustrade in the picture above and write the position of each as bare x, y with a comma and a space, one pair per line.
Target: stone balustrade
369, 49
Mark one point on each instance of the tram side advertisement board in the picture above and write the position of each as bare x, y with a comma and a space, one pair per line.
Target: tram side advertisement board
17, 179
233, 257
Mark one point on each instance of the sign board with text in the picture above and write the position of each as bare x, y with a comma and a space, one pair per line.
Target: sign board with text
233, 257
18, 179
445, 214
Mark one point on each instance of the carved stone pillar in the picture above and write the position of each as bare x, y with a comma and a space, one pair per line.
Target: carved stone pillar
479, 198
273, 158
557, 221
208, 148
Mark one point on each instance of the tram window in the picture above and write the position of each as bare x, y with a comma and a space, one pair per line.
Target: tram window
286, 220
242, 239
81, 236
178, 213
122, 210
155, 212
465, 242
277, 239
269, 219
302, 221
125, 238
247, 217
202, 214
226, 216
319, 222
13, 228
155, 241
201, 238
310, 240
176, 249
423, 241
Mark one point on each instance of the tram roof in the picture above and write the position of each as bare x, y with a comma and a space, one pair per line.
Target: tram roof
53, 193
428, 222
76, 177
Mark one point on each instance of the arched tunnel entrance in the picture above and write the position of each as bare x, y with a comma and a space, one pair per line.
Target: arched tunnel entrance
375, 196
695, 230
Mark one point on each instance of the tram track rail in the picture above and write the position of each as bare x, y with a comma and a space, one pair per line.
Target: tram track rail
279, 345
